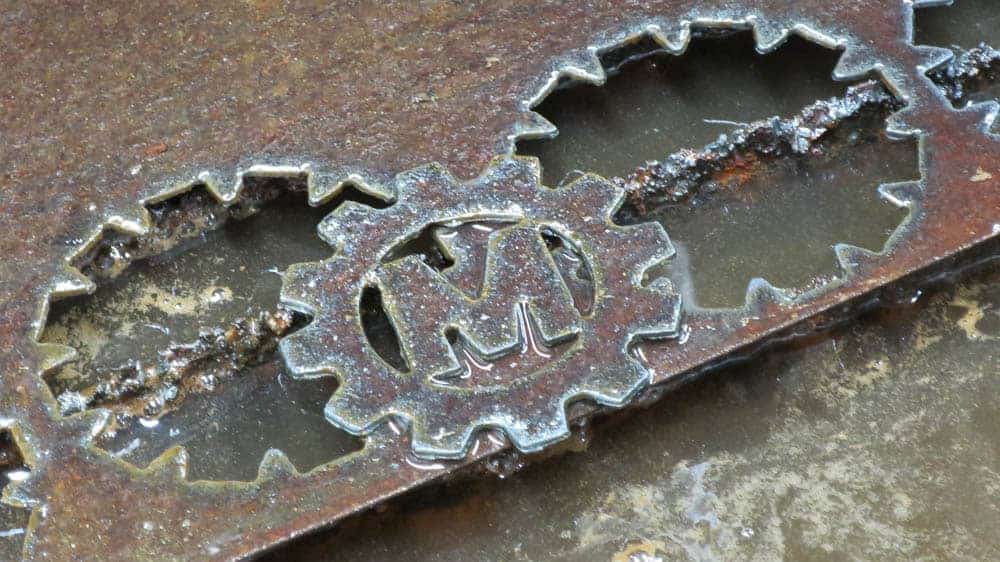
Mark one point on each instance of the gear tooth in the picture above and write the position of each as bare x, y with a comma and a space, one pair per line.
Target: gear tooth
429, 178
980, 115
817, 36
902, 194
852, 258
678, 37
53, 355
618, 384
300, 286
305, 352
275, 466
932, 57
547, 426
86, 425
172, 464
854, 64
533, 126
325, 186
769, 35
351, 412
526, 169
595, 196
134, 220
69, 282
649, 244
674, 41
585, 66
903, 123
225, 192
652, 240
346, 224
509, 174
660, 311
761, 295
441, 442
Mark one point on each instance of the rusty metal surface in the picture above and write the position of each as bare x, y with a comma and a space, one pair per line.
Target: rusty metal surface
523, 307
107, 107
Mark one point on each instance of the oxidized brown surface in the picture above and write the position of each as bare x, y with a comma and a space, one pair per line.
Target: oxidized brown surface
103, 107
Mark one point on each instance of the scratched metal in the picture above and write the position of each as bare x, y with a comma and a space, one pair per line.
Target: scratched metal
105, 108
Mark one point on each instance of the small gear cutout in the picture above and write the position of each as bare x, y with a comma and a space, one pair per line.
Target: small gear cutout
523, 309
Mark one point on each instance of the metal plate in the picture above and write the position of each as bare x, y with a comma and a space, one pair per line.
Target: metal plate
106, 109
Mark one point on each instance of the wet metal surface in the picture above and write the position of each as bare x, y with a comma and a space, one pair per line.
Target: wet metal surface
233, 273
105, 109
876, 442
663, 103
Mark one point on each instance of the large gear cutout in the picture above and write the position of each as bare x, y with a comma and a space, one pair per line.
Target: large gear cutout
523, 299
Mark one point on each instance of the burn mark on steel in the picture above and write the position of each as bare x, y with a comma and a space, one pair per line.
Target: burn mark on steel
676, 178
219, 354
968, 73
151, 387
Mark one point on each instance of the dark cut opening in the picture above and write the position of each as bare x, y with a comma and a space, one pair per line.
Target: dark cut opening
11, 458
379, 330
424, 246
693, 140
185, 325
971, 29
964, 25
655, 103
575, 270
13, 520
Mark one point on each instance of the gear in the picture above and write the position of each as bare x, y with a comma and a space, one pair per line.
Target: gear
523, 300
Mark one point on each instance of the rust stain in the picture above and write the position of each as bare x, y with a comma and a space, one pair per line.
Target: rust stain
384, 87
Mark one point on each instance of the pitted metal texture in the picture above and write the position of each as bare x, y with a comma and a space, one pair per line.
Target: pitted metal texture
524, 304
371, 90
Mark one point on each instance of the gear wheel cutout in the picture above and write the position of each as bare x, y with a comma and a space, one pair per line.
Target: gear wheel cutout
560, 302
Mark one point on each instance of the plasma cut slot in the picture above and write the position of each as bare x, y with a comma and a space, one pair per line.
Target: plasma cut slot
175, 364
655, 103
809, 176
177, 222
972, 76
968, 28
185, 319
11, 460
